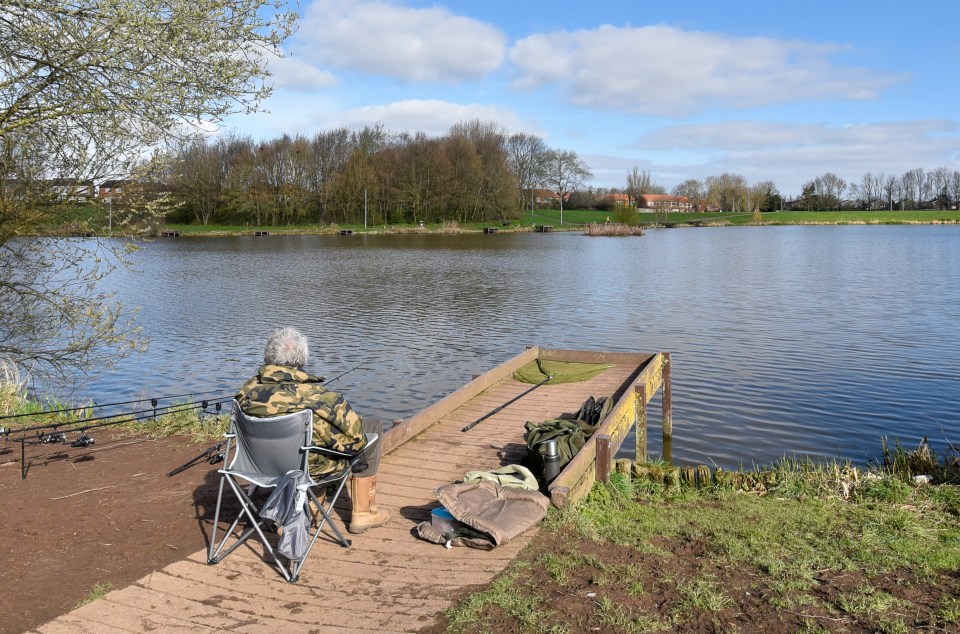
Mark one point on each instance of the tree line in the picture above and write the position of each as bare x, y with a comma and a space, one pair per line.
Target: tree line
475, 172
914, 189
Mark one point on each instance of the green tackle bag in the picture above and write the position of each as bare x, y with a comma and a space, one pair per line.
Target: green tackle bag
592, 413
570, 439
571, 434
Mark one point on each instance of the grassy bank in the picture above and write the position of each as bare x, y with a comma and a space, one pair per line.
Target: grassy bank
826, 549
92, 219
577, 220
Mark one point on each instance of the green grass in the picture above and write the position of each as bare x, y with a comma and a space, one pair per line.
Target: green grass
96, 593
868, 601
702, 595
580, 217
820, 553
622, 619
509, 595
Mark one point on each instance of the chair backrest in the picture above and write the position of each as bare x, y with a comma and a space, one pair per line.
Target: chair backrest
271, 446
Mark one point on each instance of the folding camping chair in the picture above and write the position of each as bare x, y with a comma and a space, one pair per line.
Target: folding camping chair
264, 451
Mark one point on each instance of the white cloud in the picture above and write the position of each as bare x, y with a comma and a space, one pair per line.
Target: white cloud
744, 136
665, 71
298, 74
430, 44
430, 116
786, 153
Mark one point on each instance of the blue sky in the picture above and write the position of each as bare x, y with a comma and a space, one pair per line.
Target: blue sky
684, 89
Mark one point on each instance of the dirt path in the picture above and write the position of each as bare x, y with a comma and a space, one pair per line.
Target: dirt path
83, 516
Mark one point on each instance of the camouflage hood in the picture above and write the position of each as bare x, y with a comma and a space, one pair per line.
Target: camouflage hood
269, 373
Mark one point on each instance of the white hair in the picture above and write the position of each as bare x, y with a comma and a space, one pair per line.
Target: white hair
286, 346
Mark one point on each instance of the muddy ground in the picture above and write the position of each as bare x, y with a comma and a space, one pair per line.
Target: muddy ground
101, 514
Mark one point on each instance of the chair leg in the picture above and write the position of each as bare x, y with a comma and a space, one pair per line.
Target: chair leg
323, 513
249, 510
216, 522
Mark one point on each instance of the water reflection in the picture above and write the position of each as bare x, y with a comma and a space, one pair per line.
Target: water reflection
809, 340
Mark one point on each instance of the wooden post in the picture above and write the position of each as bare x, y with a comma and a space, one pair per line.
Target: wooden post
641, 433
667, 400
604, 459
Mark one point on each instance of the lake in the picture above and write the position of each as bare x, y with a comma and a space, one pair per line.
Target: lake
814, 341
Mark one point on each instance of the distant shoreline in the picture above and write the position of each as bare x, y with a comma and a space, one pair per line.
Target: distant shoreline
573, 221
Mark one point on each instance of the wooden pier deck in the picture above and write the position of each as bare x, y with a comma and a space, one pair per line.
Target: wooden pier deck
389, 580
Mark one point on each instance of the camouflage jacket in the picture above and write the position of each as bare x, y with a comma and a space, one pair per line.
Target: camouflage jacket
278, 389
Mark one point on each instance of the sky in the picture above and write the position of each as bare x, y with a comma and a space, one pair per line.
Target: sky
683, 89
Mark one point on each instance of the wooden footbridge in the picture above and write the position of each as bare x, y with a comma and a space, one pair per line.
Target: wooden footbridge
389, 580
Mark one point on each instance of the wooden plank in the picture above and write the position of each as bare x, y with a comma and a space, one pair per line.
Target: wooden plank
641, 436
580, 473
595, 356
604, 458
651, 378
410, 427
667, 400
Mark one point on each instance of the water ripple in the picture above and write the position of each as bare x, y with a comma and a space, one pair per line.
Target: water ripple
801, 340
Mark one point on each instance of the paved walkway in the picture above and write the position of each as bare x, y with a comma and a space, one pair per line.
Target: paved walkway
395, 580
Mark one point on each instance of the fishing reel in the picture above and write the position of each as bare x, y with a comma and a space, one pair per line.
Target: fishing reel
83, 440
55, 438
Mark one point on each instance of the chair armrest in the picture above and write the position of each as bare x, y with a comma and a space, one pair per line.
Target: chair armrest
330, 452
229, 435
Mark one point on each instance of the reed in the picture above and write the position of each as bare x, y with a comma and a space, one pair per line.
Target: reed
13, 389
612, 229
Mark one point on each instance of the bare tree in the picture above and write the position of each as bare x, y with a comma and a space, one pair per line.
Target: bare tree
914, 183
640, 182
764, 196
331, 151
867, 191
891, 189
525, 155
939, 185
727, 190
693, 190
199, 177
495, 186
955, 188
828, 190
564, 172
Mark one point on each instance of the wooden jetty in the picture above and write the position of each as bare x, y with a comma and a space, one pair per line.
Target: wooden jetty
389, 580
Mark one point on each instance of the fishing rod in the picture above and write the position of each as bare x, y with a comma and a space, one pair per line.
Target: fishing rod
56, 435
513, 400
152, 413
214, 454
356, 367
95, 405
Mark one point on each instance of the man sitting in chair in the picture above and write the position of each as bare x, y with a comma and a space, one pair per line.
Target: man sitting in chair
282, 386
